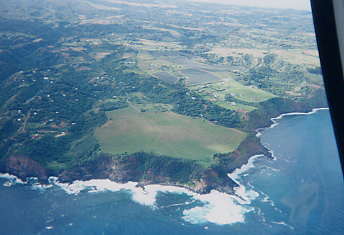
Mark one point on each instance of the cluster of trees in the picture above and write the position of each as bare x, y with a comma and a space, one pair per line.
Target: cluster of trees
52, 96
150, 166
47, 149
261, 117
70, 95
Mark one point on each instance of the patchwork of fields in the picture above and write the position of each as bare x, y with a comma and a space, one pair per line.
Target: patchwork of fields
196, 76
207, 67
212, 81
166, 133
166, 77
217, 91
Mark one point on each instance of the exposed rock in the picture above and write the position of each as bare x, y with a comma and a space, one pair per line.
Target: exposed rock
274, 107
24, 167
249, 147
150, 169
97, 169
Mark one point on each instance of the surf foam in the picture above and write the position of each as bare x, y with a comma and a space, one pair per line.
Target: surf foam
12, 180
219, 208
293, 114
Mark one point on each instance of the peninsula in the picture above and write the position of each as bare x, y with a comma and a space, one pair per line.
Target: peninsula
164, 93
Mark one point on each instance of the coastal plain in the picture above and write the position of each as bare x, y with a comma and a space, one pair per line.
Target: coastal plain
166, 133
162, 93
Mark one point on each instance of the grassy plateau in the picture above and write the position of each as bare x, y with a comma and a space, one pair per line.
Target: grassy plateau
166, 133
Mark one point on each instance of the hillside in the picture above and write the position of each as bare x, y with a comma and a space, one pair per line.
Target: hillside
147, 85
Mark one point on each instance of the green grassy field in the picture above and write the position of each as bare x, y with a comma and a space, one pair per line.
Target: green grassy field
196, 76
242, 92
217, 91
166, 133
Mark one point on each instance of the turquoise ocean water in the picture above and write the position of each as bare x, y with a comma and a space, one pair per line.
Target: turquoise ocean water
300, 192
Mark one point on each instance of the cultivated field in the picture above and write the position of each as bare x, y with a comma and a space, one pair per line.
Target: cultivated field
166, 133
166, 77
293, 56
196, 76
196, 65
244, 93
217, 91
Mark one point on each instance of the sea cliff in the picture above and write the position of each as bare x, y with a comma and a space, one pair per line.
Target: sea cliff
148, 168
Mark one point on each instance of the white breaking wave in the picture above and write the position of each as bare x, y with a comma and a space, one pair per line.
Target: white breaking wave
219, 208
235, 175
283, 223
245, 195
12, 180
32, 181
293, 114
275, 123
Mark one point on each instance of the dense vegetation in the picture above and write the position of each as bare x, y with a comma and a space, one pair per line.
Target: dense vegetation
63, 65
148, 168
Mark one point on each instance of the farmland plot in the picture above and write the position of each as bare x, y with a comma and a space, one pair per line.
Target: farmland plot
196, 76
166, 77
196, 65
166, 133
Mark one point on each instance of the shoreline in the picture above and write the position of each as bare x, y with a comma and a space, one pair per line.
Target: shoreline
13, 179
275, 123
286, 114
238, 202
298, 113
218, 207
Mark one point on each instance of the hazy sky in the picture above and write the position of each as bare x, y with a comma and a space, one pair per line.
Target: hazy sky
295, 4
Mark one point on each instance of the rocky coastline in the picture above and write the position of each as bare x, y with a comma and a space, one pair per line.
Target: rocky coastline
148, 169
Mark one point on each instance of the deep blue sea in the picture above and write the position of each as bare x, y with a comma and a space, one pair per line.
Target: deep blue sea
300, 192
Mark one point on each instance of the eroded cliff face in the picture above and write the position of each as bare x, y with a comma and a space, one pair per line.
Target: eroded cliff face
261, 117
24, 167
251, 146
149, 169
146, 169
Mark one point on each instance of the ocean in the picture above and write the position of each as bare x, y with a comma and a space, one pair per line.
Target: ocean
300, 192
